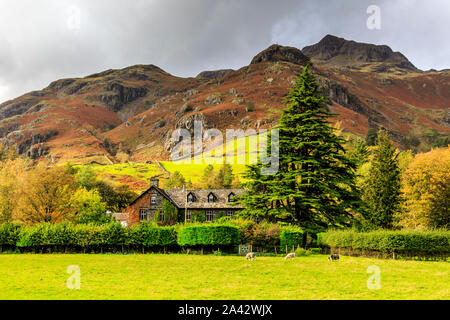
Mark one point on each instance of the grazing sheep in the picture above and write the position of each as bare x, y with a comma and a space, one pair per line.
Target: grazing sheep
333, 257
290, 256
250, 256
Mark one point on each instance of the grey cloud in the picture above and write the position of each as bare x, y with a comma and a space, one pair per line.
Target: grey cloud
40, 40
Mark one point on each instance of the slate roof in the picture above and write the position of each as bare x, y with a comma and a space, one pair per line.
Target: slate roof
179, 197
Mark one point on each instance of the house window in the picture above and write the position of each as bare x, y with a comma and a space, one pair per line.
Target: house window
188, 215
143, 214
161, 215
153, 199
209, 216
231, 197
190, 198
211, 198
230, 213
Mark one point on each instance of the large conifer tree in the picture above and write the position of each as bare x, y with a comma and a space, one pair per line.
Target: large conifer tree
314, 186
381, 188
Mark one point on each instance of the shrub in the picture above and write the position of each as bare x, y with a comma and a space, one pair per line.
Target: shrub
9, 234
319, 239
265, 235
223, 235
291, 237
299, 252
406, 241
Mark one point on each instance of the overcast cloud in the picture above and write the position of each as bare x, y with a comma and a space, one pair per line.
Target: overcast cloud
45, 40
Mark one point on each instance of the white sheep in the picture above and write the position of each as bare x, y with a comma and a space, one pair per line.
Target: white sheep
290, 256
250, 256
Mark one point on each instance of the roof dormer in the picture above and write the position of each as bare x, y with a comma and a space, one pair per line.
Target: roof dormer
212, 197
191, 198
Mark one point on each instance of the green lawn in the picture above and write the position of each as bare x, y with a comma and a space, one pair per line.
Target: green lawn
155, 276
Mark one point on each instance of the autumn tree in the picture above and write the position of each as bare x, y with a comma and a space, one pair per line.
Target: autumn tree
47, 194
89, 207
12, 172
426, 188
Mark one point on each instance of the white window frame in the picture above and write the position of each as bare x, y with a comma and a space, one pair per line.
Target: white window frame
188, 215
143, 214
211, 198
190, 198
153, 197
209, 213
231, 213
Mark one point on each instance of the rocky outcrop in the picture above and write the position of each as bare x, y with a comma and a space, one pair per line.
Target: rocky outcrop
342, 96
352, 52
30, 144
215, 74
280, 53
14, 107
118, 95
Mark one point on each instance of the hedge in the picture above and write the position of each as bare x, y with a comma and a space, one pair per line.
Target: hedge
402, 242
81, 236
291, 237
145, 234
205, 235
9, 234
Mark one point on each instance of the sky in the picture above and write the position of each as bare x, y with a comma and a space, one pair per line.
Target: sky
45, 40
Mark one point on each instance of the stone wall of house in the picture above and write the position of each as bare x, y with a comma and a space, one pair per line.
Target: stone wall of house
144, 202
133, 210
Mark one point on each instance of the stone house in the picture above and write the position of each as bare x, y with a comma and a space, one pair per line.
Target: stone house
208, 202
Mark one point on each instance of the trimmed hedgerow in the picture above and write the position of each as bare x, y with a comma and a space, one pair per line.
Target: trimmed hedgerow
205, 235
408, 242
9, 234
145, 234
291, 237
74, 237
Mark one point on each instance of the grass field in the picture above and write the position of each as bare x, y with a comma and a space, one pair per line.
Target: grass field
155, 276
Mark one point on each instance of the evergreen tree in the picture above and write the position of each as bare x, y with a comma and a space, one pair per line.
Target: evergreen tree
176, 181
224, 178
381, 188
207, 177
371, 137
360, 152
314, 186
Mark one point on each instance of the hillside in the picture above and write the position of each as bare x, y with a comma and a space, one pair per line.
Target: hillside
129, 114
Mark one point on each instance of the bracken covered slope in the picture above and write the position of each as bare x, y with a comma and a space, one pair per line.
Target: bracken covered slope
134, 110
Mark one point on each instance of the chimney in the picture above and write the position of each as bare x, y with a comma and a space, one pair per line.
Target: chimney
154, 182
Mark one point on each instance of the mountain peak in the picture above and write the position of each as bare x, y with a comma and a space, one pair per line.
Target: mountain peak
339, 51
281, 53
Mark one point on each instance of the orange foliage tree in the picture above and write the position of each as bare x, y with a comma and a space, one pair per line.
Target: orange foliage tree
426, 189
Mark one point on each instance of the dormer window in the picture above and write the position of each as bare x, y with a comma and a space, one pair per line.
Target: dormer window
231, 197
211, 198
190, 198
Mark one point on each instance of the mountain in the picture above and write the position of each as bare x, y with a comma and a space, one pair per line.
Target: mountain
134, 110
336, 51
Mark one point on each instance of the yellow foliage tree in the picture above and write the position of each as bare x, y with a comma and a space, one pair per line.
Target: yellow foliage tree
426, 188
47, 194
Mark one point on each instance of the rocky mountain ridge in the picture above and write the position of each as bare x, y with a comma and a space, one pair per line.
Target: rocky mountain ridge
133, 111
